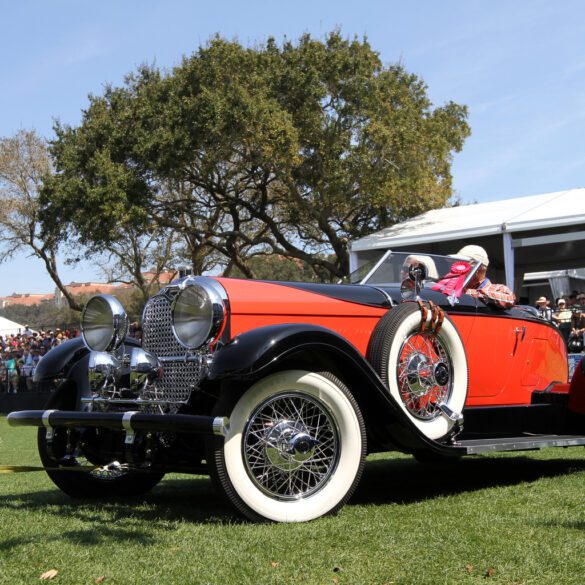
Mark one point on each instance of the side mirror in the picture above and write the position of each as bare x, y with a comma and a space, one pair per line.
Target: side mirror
411, 286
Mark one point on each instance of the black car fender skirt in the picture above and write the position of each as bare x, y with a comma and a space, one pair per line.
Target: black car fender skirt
58, 360
261, 351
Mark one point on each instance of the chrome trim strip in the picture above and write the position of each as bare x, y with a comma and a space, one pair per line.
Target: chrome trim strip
389, 300
127, 425
127, 420
129, 401
179, 358
45, 420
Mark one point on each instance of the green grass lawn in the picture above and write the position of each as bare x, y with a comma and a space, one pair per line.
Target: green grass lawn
513, 519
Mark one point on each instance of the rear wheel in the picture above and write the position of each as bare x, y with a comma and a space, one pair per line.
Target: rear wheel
66, 449
295, 449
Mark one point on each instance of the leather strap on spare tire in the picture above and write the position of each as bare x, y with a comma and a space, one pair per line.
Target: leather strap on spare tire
419, 355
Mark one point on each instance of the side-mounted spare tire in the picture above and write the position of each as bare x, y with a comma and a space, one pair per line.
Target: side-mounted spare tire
423, 370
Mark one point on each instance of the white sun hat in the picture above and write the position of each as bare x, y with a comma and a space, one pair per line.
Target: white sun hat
474, 253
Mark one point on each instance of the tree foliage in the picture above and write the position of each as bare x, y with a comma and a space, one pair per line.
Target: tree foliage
273, 267
24, 165
291, 150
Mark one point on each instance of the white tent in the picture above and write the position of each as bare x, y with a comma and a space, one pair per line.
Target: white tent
8, 327
525, 234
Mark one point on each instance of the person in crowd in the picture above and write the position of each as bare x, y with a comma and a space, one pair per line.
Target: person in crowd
578, 328
543, 308
481, 287
11, 371
26, 367
572, 299
562, 319
47, 341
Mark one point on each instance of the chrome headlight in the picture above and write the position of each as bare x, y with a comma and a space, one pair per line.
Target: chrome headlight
104, 323
198, 313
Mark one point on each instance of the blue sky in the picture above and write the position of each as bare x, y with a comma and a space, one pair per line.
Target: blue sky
519, 66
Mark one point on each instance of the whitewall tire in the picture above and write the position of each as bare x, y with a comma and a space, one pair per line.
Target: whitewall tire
295, 448
422, 370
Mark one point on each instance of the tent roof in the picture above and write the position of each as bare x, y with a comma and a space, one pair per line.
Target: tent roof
521, 214
8, 327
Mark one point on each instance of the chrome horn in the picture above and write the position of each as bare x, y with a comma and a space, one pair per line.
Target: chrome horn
103, 370
144, 369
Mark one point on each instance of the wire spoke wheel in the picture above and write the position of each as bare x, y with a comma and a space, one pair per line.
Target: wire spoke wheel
422, 369
291, 446
424, 373
295, 448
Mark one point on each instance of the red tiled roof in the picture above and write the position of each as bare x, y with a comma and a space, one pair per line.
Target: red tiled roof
26, 299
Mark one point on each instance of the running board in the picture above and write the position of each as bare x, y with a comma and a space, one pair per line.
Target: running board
531, 443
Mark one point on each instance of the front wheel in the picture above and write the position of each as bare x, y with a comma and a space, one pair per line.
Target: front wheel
90, 483
295, 448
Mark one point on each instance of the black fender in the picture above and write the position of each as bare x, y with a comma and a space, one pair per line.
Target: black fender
261, 351
69, 361
57, 362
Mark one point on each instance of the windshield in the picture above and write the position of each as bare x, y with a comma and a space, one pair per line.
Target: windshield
390, 269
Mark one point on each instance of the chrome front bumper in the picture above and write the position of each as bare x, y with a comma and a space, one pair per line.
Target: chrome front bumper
130, 421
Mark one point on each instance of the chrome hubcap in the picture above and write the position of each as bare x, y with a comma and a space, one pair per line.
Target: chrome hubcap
288, 445
291, 446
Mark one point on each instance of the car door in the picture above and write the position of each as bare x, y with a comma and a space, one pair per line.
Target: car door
496, 354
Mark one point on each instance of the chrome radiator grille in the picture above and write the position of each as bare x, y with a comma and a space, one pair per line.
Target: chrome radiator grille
180, 378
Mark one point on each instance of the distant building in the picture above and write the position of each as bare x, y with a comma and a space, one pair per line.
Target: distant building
163, 277
27, 299
83, 289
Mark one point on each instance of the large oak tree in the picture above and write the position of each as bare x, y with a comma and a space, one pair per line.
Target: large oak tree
290, 149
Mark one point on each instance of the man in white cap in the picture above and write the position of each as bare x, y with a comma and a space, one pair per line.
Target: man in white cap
480, 286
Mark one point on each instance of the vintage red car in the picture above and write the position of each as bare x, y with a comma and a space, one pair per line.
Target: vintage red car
280, 390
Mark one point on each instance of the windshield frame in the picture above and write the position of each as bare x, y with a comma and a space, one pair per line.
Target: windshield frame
401, 257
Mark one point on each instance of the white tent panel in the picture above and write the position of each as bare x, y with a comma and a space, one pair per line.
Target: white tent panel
521, 235
559, 209
8, 327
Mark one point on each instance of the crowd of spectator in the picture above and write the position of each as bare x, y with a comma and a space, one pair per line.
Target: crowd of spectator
568, 315
20, 353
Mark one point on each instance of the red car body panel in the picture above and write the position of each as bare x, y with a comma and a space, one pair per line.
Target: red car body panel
508, 357
255, 304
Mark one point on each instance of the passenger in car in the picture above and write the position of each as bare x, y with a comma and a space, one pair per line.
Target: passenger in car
480, 287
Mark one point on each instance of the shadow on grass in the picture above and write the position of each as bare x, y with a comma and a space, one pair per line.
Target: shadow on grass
192, 499
407, 481
189, 498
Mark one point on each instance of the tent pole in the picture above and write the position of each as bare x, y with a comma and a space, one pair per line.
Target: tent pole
508, 259
353, 262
